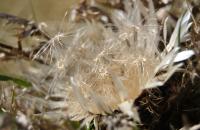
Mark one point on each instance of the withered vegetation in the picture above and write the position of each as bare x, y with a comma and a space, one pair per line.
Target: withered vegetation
112, 64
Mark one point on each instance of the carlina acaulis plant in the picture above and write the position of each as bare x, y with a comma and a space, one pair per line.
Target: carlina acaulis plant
101, 60
97, 69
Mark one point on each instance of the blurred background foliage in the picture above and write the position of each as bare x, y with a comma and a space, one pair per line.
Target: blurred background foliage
50, 12
38, 10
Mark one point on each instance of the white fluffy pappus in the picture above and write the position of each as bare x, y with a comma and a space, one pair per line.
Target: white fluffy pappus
98, 70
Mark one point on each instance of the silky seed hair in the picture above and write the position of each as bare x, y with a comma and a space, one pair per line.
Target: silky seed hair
97, 69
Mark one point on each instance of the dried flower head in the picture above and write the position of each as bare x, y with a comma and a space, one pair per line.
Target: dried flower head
97, 69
